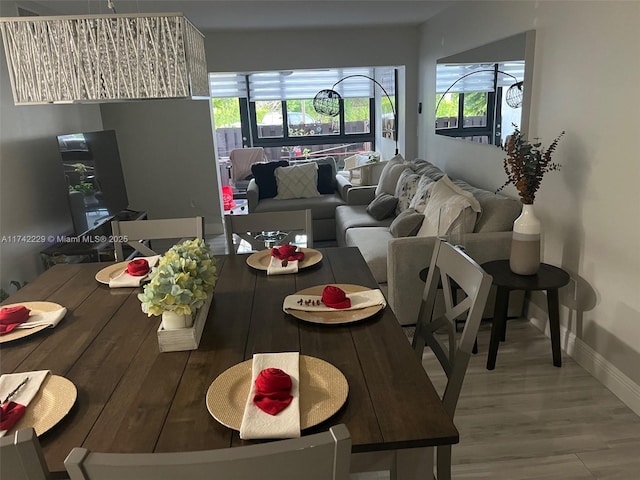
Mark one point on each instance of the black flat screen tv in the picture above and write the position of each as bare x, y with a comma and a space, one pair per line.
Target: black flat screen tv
93, 172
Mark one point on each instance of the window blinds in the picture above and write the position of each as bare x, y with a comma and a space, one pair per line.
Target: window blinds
479, 76
292, 85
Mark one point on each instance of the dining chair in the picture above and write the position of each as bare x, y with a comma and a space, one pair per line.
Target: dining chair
134, 233
268, 228
321, 456
21, 457
451, 268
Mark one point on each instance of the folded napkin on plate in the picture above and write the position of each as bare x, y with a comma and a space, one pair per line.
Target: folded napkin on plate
134, 274
37, 318
257, 423
284, 259
13, 410
313, 303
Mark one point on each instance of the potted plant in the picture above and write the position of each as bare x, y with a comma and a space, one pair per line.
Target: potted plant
180, 284
525, 165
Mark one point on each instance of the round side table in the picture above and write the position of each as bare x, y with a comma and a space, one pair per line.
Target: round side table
548, 278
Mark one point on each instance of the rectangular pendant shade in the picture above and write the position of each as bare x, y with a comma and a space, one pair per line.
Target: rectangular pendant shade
104, 58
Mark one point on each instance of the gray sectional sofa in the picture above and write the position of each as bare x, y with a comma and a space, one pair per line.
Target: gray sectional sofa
323, 207
397, 262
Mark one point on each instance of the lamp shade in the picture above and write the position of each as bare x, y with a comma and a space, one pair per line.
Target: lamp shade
102, 58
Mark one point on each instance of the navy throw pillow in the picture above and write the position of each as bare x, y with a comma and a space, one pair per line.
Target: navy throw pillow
325, 179
265, 177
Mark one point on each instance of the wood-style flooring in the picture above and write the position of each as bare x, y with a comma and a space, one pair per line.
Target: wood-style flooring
529, 420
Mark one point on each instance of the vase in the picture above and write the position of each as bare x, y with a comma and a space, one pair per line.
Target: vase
525, 243
174, 321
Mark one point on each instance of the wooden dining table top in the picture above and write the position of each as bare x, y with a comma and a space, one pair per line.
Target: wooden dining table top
132, 398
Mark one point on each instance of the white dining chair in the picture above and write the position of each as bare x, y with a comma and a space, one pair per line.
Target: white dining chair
321, 456
451, 269
21, 457
268, 224
134, 233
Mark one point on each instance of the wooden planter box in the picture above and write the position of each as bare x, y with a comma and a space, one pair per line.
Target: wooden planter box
185, 338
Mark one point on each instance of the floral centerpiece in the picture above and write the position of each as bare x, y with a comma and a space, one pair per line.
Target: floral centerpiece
526, 164
181, 281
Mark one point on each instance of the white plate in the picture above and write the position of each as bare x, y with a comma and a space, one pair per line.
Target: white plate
35, 307
323, 391
107, 273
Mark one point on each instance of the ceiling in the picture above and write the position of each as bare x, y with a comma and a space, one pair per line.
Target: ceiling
269, 14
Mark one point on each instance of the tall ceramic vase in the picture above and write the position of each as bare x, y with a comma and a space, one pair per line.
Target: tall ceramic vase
525, 243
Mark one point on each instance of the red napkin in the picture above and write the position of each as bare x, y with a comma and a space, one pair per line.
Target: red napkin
138, 267
11, 317
10, 413
273, 391
287, 252
335, 297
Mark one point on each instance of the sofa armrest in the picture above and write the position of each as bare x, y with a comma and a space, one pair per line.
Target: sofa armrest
361, 195
343, 185
253, 195
407, 256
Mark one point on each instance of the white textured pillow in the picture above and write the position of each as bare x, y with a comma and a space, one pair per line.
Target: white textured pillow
457, 205
389, 175
423, 192
406, 189
297, 181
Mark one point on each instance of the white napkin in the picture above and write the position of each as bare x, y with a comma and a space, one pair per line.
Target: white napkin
26, 393
286, 424
359, 300
126, 280
38, 318
275, 267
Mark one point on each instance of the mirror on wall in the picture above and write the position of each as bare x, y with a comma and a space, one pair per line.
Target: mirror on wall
483, 92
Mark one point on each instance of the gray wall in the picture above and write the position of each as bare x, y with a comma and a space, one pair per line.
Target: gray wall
588, 210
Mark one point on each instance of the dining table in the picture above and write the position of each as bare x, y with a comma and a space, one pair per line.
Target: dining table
133, 398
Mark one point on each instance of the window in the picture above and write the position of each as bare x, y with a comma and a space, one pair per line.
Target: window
469, 100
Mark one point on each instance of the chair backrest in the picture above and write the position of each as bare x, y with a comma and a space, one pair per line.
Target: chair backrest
21, 457
134, 232
245, 227
241, 160
322, 456
465, 286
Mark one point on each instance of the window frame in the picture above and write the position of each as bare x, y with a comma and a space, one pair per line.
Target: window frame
492, 130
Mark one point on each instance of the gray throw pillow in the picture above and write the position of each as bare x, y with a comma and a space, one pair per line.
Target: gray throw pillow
406, 224
382, 206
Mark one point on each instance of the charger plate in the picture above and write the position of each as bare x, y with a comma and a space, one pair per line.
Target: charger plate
50, 405
335, 317
107, 273
260, 260
25, 332
323, 390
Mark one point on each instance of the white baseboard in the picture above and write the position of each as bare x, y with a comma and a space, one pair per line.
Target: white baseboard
604, 371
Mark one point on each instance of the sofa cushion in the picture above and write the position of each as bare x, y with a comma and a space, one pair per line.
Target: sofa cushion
297, 181
406, 189
383, 206
322, 206
422, 167
389, 175
423, 192
265, 177
406, 224
448, 203
372, 242
326, 179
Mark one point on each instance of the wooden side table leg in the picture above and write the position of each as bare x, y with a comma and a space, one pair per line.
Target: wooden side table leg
498, 325
553, 307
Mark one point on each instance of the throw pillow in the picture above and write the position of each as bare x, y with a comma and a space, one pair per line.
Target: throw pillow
265, 177
325, 178
382, 206
406, 224
297, 181
447, 205
406, 189
423, 192
389, 175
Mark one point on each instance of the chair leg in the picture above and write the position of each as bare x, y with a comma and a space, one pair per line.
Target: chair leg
443, 462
